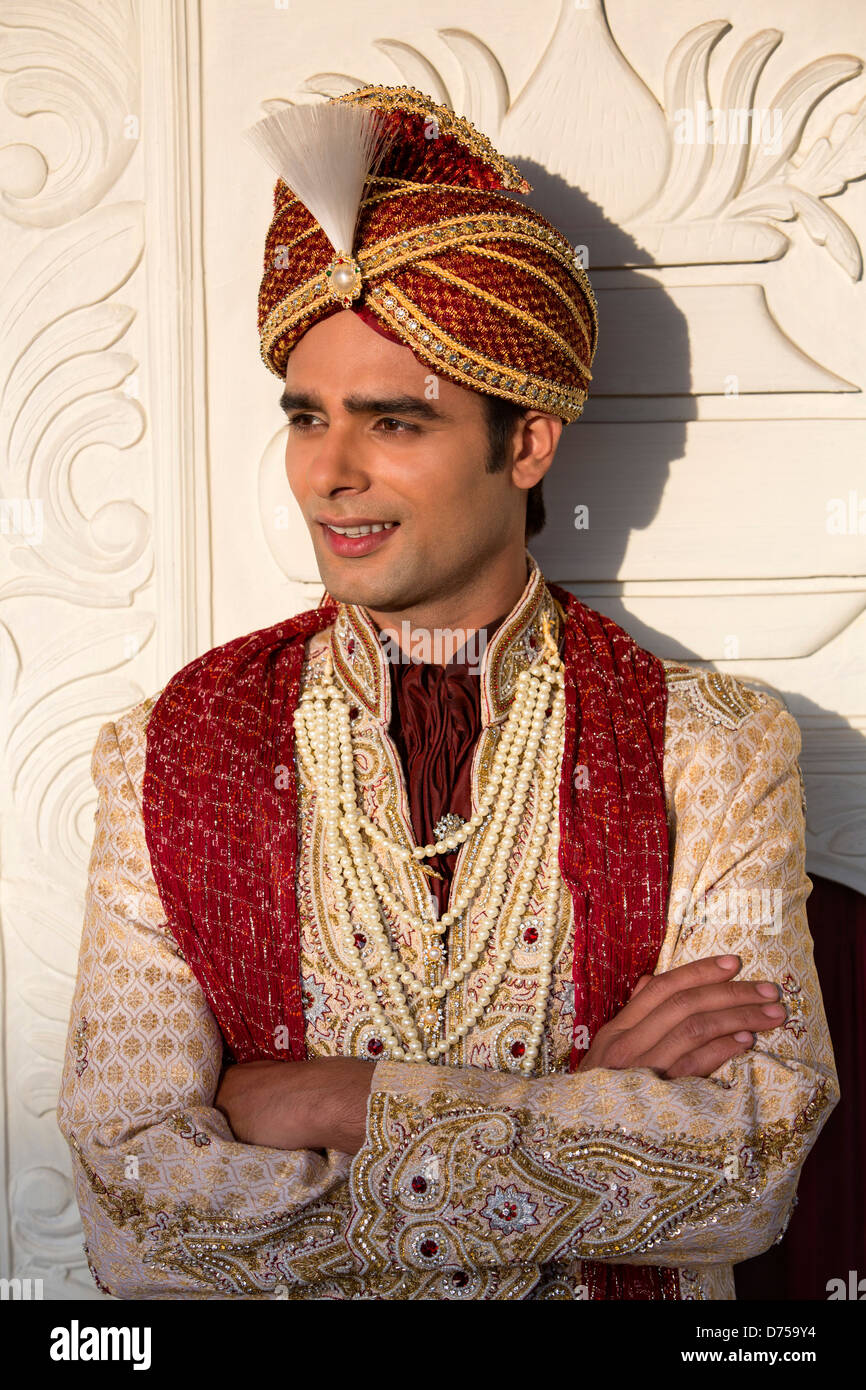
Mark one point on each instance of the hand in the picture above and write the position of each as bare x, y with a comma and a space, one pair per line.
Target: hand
321, 1104
687, 1021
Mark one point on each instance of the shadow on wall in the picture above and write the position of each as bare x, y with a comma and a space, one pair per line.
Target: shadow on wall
623, 490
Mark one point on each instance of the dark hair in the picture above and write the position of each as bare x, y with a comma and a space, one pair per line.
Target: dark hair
502, 420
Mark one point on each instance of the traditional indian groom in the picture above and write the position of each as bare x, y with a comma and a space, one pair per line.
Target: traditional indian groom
478, 973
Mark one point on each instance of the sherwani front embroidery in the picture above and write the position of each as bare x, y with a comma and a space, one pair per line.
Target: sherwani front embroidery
360, 664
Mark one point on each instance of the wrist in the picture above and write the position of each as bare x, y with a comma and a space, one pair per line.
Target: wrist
335, 1103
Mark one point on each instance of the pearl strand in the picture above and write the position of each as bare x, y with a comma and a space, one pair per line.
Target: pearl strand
365, 902
524, 888
508, 783
499, 876
326, 749
546, 819
340, 866
364, 983
506, 757
458, 837
515, 725
517, 753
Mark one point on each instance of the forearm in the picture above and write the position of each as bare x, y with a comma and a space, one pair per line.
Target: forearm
318, 1104
172, 1204
162, 1182
180, 1208
619, 1166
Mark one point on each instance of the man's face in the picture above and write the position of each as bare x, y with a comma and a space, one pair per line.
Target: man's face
376, 438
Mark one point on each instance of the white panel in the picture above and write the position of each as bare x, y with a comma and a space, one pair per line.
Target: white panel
102, 413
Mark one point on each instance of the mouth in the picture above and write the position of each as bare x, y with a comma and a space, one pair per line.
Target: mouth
357, 537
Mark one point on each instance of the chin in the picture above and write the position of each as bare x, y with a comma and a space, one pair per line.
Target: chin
346, 587
347, 583
361, 594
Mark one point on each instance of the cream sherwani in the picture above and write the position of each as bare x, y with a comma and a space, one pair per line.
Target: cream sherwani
474, 1181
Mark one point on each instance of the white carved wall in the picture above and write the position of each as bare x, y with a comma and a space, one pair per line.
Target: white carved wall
140, 442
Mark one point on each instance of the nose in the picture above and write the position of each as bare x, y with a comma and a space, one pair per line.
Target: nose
336, 464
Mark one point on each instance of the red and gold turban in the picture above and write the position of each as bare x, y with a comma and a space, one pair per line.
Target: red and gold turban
480, 286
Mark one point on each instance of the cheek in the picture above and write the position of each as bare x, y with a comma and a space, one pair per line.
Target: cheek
444, 480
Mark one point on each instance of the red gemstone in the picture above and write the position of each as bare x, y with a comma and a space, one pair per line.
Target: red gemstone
350, 645
353, 712
419, 1184
532, 641
549, 710
428, 1248
509, 1211
518, 1049
460, 1279
374, 1046
360, 940
531, 935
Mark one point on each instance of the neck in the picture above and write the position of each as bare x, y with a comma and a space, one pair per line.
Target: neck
443, 623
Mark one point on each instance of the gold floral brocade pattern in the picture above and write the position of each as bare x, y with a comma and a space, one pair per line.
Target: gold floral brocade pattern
474, 1182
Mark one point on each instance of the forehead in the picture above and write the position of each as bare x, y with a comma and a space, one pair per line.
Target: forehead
345, 339
343, 354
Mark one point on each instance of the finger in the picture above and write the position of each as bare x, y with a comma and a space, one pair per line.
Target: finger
710, 970
701, 1029
677, 1009
644, 979
705, 1060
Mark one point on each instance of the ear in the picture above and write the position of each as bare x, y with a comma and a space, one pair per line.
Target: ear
535, 443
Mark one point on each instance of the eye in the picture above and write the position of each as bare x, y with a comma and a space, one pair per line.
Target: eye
400, 424
300, 421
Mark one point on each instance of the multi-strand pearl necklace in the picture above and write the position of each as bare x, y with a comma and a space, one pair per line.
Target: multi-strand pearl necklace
324, 742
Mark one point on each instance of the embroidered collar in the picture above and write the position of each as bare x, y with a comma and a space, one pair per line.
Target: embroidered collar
361, 663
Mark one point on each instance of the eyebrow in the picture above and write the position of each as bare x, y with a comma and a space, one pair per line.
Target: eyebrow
366, 405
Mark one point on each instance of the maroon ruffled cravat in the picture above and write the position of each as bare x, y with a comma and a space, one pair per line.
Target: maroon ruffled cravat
435, 724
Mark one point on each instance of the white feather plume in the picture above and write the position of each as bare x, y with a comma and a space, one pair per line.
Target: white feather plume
325, 153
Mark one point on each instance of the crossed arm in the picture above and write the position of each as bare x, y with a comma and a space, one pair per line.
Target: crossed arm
686, 1021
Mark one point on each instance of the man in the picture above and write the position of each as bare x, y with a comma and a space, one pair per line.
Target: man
439, 978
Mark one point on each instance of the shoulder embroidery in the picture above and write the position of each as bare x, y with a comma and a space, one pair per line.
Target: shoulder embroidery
718, 697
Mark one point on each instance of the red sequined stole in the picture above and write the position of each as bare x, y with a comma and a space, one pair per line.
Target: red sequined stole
614, 848
220, 812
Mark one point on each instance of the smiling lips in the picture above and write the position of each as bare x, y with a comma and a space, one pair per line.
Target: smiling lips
357, 537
